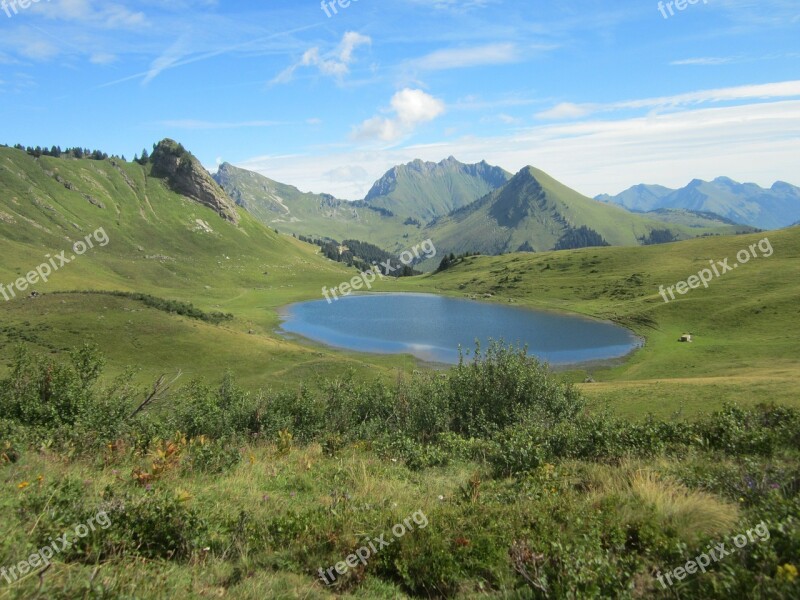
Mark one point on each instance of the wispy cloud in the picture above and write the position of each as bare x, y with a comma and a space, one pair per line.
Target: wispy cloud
455, 5
460, 58
708, 61
177, 55
767, 91
333, 64
107, 15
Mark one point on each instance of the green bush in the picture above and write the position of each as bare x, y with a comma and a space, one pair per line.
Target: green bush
505, 386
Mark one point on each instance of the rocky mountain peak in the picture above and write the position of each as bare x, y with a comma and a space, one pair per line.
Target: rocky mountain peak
185, 175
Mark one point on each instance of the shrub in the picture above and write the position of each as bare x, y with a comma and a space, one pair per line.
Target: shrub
503, 387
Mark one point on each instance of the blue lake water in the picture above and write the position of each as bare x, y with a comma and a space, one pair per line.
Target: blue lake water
432, 328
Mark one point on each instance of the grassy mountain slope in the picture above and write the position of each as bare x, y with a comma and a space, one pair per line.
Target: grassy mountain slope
160, 243
289, 210
533, 210
747, 203
426, 190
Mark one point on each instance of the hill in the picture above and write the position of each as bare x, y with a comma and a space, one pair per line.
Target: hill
191, 246
747, 203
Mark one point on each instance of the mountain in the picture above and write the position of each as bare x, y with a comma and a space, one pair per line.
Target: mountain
286, 208
534, 212
748, 203
426, 190
527, 212
273, 202
640, 197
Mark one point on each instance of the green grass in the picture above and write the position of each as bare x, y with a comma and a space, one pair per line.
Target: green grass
746, 325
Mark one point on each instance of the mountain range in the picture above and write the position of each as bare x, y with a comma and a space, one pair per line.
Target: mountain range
465, 208
746, 203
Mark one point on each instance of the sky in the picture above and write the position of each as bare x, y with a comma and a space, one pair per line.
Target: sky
602, 95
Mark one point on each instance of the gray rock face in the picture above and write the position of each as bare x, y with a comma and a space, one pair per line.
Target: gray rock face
185, 175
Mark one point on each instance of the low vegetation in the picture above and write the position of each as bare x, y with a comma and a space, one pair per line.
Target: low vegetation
175, 307
213, 490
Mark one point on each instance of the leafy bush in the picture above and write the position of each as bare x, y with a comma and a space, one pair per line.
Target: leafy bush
60, 400
505, 386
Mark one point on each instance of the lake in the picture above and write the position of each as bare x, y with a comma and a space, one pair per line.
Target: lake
432, 327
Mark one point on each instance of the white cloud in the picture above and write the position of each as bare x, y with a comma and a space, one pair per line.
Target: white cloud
411, 108
753, 142
566, 110
458, 58
459, 6
784, 89
334, 64
706, 61
102, 58
107, 15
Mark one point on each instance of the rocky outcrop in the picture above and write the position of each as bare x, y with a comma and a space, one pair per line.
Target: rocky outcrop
185, 175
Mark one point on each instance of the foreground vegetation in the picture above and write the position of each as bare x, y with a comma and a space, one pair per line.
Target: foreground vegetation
215, 491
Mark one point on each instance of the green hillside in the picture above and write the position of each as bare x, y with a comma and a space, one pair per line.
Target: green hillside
533, 211
160, 243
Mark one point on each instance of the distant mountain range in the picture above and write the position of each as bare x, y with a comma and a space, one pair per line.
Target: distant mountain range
746, 203
399, 204
464, 208
534, 212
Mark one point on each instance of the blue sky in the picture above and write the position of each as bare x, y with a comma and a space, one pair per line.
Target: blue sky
600, 94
